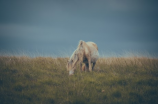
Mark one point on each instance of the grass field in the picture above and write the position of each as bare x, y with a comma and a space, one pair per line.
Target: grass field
45, 80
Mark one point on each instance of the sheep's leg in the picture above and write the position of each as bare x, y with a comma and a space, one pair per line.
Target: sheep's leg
87, 66
80, 66
93, 65
89, 62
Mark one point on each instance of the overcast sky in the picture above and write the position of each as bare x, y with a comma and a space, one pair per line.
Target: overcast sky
54, 27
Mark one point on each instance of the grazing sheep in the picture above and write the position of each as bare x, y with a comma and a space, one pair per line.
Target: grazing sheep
86, 52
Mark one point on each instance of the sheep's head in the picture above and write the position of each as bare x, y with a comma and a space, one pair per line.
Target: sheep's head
71, 64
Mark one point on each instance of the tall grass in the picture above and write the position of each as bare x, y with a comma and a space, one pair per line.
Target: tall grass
45, 80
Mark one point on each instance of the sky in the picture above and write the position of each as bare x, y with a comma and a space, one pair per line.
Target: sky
54, 27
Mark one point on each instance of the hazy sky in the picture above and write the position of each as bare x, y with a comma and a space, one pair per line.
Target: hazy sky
54, 27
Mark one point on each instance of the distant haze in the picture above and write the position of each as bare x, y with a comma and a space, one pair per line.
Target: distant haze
54, 27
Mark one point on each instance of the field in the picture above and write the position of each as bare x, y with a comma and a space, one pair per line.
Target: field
45, 80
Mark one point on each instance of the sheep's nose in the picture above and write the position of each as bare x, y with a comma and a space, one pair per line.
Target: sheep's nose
71, 72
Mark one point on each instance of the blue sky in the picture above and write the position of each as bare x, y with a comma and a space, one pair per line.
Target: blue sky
54, 27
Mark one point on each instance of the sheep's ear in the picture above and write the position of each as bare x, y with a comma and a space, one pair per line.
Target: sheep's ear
80, 46
81, 43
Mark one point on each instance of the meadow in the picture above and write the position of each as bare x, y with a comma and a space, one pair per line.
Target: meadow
45, 80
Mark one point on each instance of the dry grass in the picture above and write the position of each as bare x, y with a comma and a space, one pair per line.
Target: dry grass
45, 80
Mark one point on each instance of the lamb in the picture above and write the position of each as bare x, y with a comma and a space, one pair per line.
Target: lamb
86, 52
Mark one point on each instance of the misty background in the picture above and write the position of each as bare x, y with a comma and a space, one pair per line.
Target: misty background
54, 27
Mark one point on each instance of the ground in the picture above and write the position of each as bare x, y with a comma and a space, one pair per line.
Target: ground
45, 80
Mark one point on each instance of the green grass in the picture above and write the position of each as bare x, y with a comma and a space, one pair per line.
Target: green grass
45, 80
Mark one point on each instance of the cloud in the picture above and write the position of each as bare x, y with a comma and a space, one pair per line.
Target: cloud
130, 5
116, 24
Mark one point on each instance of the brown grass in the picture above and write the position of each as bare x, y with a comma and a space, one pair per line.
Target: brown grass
45, 80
